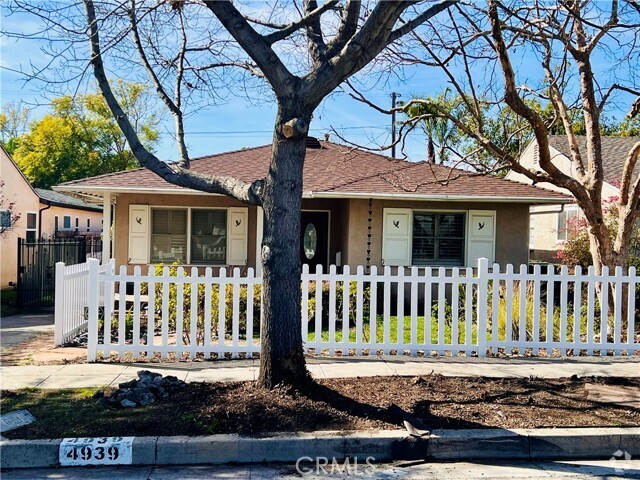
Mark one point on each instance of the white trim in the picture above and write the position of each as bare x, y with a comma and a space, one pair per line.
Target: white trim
259, 235
26, 223
312, 194
106, 233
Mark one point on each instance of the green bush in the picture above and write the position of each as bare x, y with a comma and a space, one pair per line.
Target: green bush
200, 306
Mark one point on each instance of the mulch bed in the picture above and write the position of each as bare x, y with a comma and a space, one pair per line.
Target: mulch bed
334, 404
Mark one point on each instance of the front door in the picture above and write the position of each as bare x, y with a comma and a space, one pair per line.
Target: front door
314, 231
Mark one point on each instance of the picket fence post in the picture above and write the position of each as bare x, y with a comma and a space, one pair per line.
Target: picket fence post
92, 297
58, 315
483, 287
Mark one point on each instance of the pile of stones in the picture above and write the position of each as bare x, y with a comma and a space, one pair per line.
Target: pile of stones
148, 388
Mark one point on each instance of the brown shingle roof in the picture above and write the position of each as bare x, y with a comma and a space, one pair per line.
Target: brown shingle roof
614, 153
338, 169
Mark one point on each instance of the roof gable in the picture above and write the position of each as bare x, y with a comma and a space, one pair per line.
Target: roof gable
614, 153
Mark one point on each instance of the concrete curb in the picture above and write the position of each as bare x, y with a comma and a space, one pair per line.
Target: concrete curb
382, 445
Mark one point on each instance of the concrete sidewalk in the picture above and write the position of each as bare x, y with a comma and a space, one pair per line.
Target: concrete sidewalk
102, 374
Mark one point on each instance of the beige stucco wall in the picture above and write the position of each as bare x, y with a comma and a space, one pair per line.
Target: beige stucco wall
512, 228
348, 224
15, 189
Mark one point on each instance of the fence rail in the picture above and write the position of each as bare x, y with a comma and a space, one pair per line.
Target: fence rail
172, 311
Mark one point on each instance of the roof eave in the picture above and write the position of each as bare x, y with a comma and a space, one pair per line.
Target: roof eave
441, 198
94, 190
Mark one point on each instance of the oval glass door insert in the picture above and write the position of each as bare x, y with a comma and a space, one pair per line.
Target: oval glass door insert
310, 241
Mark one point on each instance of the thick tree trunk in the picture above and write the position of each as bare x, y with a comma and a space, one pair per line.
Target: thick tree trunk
281, 357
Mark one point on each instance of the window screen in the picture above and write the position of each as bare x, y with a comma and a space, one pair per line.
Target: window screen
438, 238
168, 235
209, 236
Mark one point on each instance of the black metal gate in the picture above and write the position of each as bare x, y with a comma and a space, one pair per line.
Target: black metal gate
37, 263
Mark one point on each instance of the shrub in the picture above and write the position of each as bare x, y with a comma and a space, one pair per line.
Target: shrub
576, 249
200, 306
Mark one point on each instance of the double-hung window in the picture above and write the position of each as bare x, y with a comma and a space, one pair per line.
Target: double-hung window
438, 238
564, 220
168, 235
209, 236
32, 227
194, 236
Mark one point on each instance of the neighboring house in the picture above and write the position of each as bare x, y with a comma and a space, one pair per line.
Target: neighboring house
358, 208
42, 214
549, 223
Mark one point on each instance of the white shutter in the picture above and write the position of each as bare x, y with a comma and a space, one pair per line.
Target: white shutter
139, 234
238, 231
396, 236
481, 238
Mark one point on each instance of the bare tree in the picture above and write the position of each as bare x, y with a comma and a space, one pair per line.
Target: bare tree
302, 52
480, 51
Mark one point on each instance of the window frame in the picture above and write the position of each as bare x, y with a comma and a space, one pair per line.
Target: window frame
188, 259
64, 223
562, 233
465, 238
33, 229
11, 224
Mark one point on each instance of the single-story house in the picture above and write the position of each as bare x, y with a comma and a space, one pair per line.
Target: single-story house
34, 213
549, 222
359, 208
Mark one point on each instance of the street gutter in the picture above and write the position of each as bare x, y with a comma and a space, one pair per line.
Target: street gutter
377, 445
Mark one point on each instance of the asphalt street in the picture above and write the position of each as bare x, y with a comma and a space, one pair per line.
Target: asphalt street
423, 471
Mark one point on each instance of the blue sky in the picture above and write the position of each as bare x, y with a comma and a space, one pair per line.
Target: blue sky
235, 124
238, 123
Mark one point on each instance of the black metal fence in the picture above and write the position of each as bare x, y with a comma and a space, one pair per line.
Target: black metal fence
37, 261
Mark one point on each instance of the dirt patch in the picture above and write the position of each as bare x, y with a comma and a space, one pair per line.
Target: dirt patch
40, 351
335, 404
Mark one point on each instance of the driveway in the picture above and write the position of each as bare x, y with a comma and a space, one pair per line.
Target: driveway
22, 328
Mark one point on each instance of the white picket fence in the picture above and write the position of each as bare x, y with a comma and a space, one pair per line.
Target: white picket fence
71, 316
415, 311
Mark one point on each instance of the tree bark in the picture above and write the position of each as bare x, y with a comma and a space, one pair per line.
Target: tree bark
281, 358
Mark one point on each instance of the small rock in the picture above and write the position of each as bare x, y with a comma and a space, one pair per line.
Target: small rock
98, 394
127, 403
146, 374
147, 399
129, 384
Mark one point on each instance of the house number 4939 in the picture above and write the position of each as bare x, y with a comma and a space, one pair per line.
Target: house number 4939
96, 451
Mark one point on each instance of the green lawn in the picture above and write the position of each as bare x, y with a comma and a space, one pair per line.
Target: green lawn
393, 331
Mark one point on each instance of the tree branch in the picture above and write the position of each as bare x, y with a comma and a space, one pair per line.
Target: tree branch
250, 193
256, 46
285, 31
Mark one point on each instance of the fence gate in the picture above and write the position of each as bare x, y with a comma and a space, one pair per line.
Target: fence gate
36, 266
